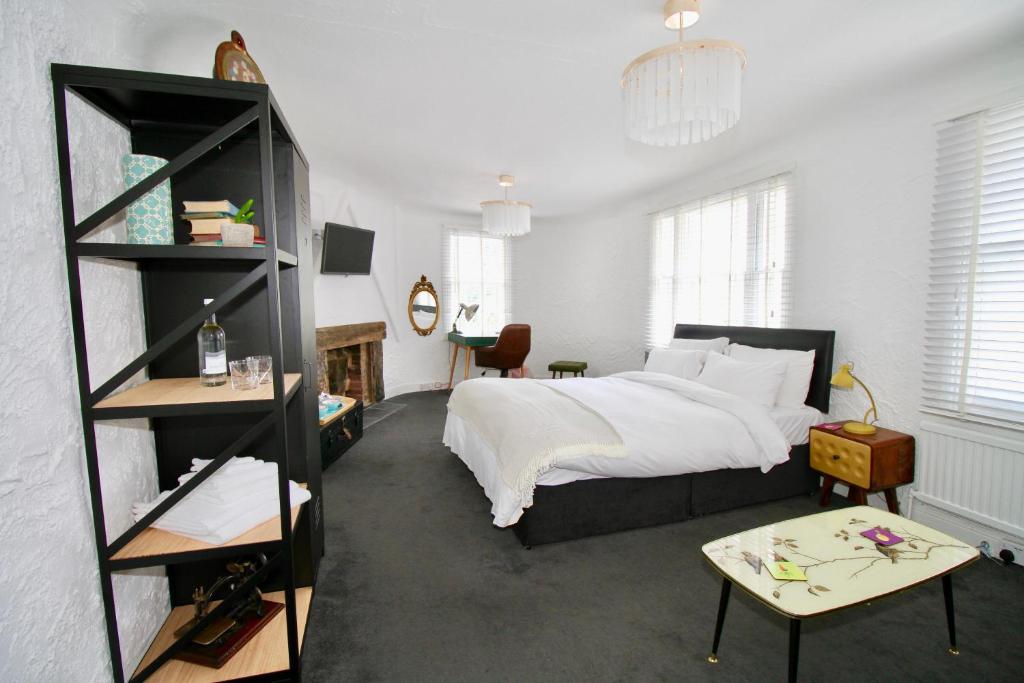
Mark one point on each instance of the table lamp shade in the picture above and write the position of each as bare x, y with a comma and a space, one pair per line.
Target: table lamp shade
845, 379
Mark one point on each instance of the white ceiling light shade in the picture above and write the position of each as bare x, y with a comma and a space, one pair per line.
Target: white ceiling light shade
683, 93
686, 10
505, 217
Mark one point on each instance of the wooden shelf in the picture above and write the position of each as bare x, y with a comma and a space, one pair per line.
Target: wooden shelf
156, 546
186, 396
266, 653
146, 252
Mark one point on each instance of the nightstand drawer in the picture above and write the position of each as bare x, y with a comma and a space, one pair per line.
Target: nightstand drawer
841, 458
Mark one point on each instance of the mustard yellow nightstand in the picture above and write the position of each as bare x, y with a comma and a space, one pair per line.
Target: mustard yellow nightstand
866, 463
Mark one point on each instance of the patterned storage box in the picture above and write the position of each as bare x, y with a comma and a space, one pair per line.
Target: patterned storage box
149, 218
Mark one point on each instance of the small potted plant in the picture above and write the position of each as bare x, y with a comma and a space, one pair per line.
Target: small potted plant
240, 231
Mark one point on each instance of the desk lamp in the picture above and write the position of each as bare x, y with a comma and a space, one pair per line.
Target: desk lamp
470, 312
844, 379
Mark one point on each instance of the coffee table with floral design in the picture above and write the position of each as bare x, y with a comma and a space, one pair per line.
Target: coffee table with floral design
843, 568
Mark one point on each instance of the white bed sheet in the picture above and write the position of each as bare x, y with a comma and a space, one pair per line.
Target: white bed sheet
794, 423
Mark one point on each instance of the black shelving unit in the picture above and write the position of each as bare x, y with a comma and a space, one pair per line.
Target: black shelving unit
222, 139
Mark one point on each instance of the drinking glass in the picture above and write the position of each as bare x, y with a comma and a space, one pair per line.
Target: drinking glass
243, 375
262, 366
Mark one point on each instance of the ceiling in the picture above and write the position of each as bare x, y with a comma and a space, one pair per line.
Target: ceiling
427, 101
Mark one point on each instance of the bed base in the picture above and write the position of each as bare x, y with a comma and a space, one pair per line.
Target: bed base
602, 506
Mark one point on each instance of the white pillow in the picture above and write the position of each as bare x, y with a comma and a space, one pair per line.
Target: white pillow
677, 362
756, 382
717, 345
799, 366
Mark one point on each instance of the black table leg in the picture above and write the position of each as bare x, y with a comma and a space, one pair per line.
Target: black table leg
723, 602
947, 591
794, 648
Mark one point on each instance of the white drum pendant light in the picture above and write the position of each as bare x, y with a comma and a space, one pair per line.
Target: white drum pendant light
506, 217
685, 92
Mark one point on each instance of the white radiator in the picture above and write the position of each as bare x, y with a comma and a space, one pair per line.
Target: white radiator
976, 476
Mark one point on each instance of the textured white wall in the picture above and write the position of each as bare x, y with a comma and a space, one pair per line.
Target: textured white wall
407, 244
51, 616
864, 181
581, 284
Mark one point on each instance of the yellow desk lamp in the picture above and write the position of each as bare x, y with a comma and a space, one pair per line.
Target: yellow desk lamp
844, 379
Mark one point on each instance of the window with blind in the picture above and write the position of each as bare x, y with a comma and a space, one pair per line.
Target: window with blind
722, 260
477, 270
974, 327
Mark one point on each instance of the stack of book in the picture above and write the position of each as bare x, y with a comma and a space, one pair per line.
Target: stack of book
206, 218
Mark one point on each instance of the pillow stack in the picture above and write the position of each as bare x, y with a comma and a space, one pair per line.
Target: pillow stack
757, 382
239, 496
768, 377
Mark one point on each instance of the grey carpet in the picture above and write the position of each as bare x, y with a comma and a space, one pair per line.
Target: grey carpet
418, 585
378, 411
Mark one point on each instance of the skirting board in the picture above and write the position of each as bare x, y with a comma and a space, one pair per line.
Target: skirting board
965, 525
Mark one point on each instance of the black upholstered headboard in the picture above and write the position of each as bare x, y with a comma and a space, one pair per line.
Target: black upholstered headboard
822, 341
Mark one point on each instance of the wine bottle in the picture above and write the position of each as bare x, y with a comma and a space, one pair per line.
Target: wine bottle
213, 352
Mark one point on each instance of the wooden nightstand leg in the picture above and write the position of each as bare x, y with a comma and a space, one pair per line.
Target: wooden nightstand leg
892, 501
826, 489
856, 495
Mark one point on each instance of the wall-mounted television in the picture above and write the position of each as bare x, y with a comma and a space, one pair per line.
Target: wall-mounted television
347, 250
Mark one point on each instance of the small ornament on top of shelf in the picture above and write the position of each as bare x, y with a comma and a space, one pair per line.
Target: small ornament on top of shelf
148, 218
232, 62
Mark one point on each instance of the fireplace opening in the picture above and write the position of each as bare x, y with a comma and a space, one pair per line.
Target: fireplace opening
351, 361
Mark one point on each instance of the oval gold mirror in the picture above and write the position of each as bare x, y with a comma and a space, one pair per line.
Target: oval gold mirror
424, 310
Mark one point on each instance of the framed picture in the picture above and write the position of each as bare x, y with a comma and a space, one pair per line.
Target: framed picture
233, 63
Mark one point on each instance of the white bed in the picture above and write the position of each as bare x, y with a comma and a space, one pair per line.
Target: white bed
668, 427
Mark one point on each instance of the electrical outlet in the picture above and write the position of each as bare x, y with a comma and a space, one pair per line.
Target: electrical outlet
1016, 548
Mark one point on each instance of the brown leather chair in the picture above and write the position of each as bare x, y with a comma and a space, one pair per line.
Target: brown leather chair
508, 352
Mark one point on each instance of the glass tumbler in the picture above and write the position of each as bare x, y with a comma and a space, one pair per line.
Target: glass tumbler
243, 375
262, 366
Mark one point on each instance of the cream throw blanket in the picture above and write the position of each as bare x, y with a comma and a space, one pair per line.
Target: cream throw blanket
532, 428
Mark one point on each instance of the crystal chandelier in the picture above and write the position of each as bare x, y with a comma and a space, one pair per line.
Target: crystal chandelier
685, 92
506, 217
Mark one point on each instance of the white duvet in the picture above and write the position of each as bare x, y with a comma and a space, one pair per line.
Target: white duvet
667, 425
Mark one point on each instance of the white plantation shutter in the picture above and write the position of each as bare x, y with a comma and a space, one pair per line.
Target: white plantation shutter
974, 328
477, 270
722, 260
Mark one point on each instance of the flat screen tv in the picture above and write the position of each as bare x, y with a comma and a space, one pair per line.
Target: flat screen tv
347, 250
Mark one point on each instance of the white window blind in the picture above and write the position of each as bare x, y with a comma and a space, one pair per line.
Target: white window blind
477, 270
974, 328
722, 260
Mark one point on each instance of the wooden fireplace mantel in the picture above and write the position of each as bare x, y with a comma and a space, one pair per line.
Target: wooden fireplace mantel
340, 336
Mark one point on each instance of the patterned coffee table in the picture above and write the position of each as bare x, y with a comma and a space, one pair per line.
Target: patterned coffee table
843, 567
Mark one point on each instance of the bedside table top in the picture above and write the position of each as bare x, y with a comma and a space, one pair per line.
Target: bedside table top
843, 568
880, 438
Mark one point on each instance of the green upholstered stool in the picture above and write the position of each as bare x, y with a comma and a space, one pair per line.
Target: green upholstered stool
563, 366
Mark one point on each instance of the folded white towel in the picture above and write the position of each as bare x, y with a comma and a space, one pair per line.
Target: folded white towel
223, 528
267, 510
242, 494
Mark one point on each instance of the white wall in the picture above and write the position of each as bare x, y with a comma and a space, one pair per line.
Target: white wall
51, 616
407, 244
864, 181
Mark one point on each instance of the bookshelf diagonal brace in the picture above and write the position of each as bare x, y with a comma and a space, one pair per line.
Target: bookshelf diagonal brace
179, 162
188, 325
202, 475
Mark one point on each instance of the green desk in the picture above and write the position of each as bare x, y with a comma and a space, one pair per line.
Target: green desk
467, 342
